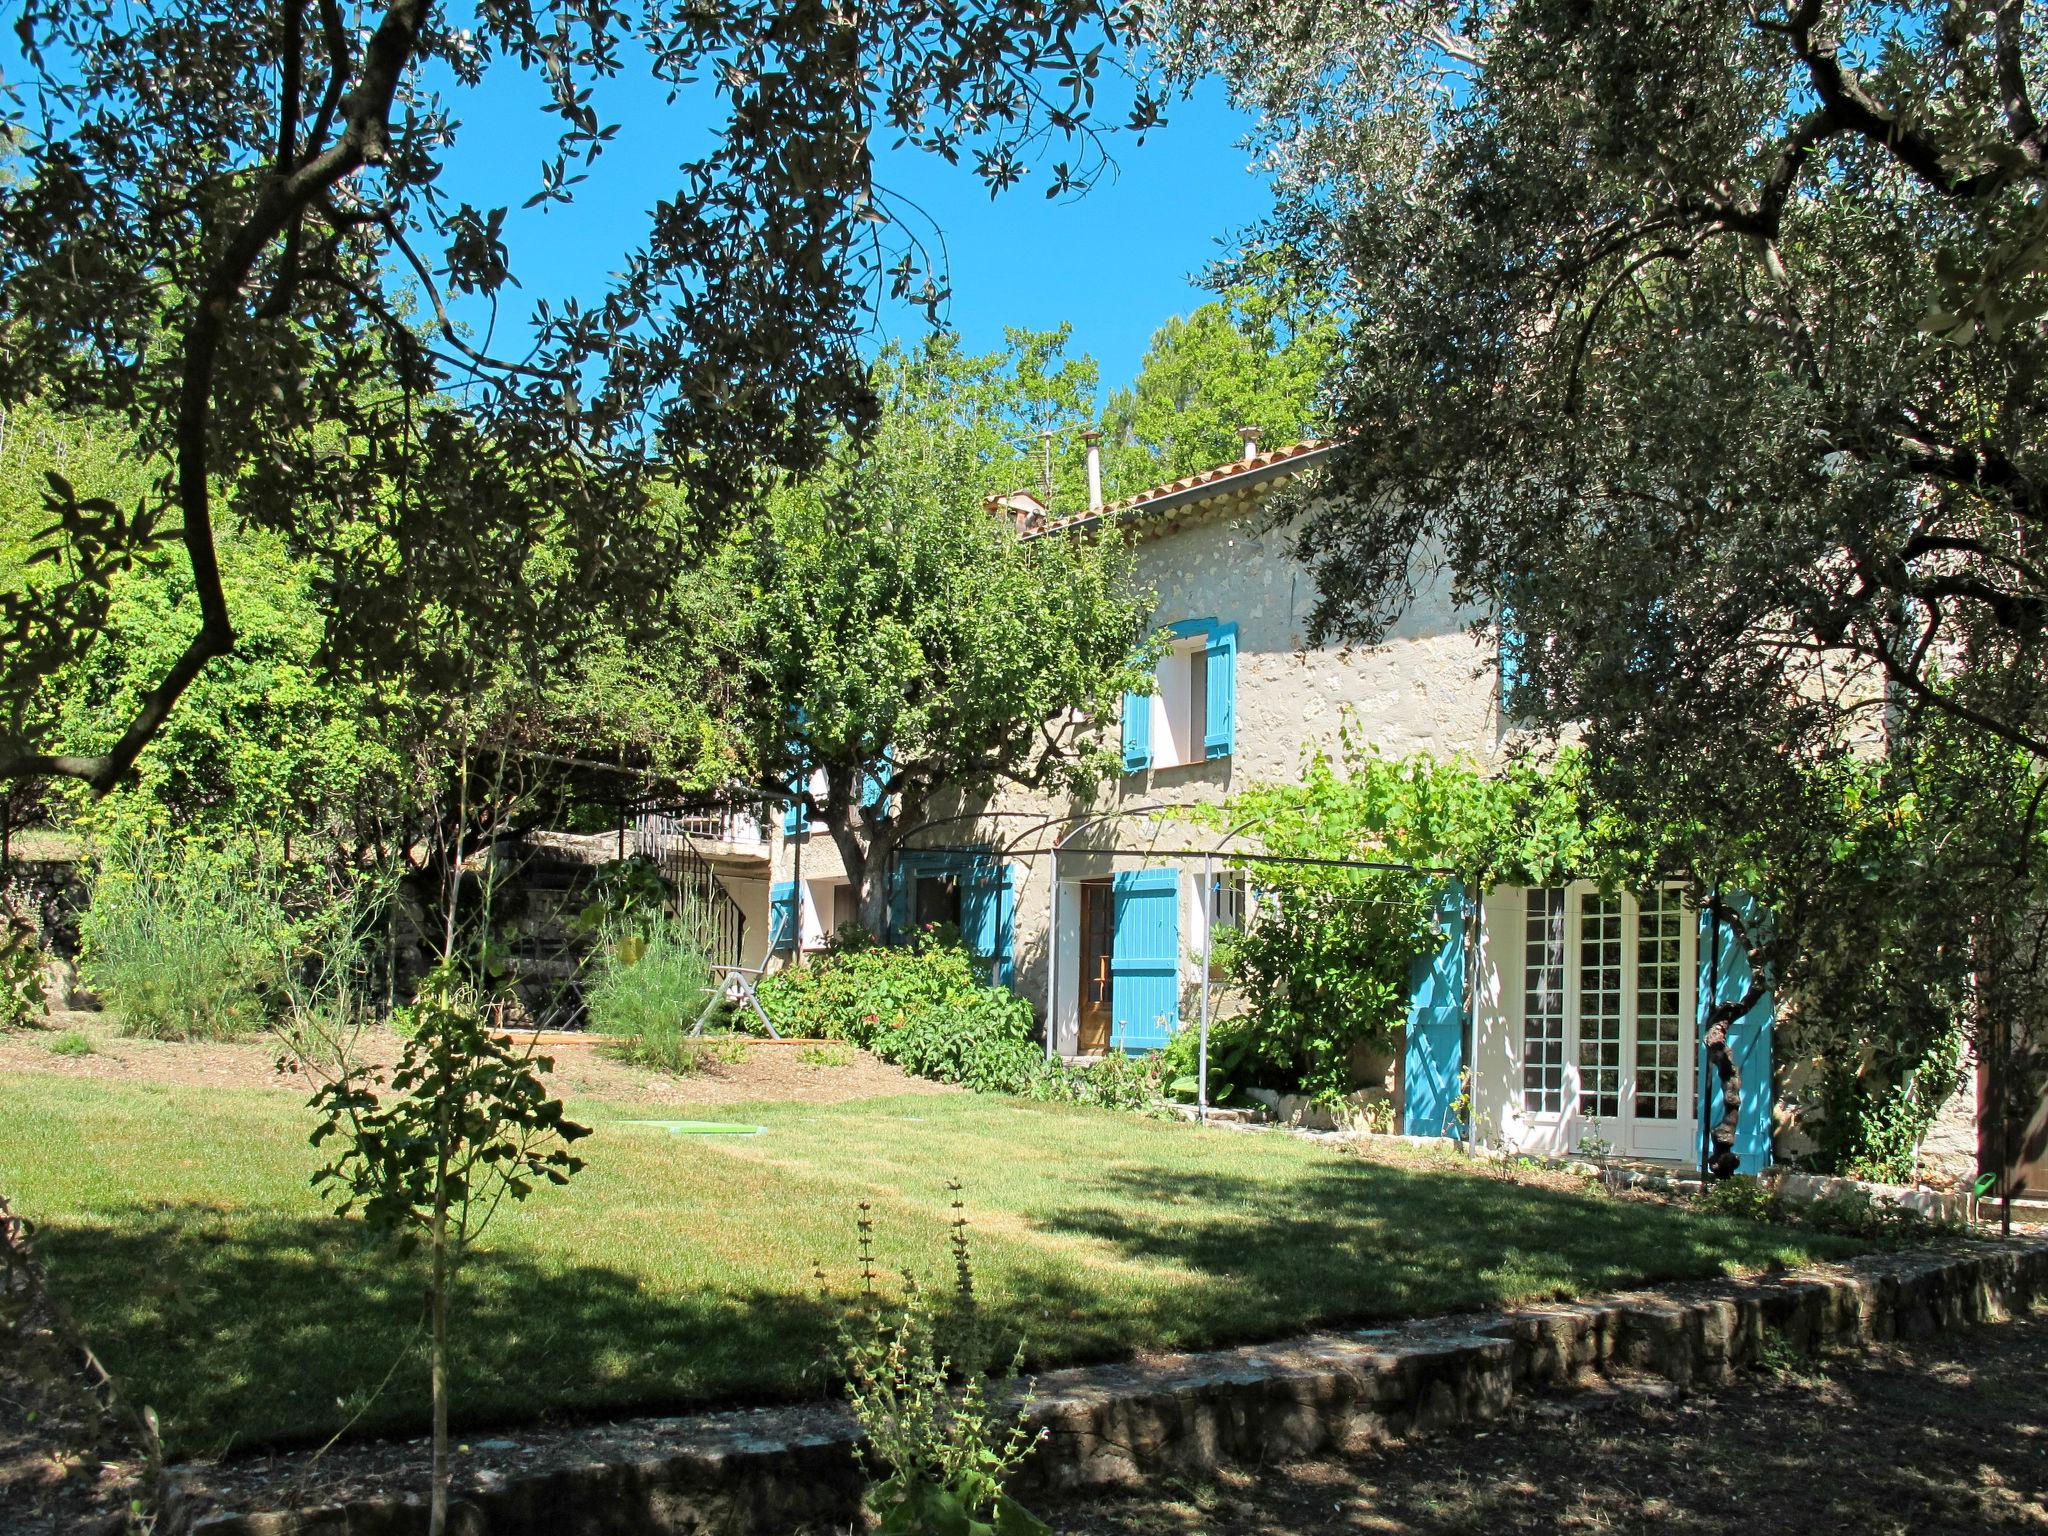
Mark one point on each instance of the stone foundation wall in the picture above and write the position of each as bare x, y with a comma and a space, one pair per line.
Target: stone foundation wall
752, 1474
51, 893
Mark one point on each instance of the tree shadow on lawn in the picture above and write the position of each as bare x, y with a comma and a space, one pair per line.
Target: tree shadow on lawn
256, 1327
250, 1329
1355, 1242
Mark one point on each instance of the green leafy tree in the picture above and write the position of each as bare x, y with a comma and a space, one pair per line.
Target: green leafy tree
1326, 963
463, 1125
1248, 361
268, 746
1701, 343
914, 645
228, 231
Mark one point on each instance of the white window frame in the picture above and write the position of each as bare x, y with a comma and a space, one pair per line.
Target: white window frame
1179, 726
1561, 1132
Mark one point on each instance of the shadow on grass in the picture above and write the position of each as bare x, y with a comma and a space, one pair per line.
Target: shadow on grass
1342, 1242
246, 1327
250, 1328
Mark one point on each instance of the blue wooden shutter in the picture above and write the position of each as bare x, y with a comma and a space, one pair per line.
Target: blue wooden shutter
781, 916
1221, 737
874, 786
793, 814
988, 914
1749, 1039
1137, 732
1144, 962
1512, 675
1436, 1025
900, 913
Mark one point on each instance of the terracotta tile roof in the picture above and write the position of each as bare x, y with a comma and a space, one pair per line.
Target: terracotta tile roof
1253, 471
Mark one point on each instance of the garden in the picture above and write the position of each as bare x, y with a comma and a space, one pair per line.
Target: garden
1628, 412
677, 1269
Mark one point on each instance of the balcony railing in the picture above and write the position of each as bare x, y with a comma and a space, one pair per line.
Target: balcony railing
737, 819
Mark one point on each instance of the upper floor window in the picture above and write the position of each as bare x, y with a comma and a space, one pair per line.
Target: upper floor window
1191, 716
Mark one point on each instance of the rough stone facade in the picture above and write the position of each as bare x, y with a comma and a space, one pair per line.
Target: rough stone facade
50, 893
1430, 686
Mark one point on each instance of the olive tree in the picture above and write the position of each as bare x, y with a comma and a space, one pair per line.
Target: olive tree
227, 229
1701, 343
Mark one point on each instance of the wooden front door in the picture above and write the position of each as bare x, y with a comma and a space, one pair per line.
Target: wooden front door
1098, 939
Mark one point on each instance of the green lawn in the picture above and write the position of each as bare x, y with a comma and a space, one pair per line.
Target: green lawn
679, 1270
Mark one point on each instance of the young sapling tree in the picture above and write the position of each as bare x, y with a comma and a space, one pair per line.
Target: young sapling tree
463, 1124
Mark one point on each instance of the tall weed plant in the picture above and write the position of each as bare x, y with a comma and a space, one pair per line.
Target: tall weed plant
331, 968
648, 983
940, 1447
184, 940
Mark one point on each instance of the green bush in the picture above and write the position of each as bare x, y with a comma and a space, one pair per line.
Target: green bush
185, 941
927, 1009
1234, 1057
648, 982
73, 1042
1745, 1195
1325, 965
924, 1007
21, 978
1885, 1222
1116, 1081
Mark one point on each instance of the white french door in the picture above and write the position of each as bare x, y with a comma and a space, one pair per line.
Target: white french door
1607, 1037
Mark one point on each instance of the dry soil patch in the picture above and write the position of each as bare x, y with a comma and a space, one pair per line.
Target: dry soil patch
764, 1070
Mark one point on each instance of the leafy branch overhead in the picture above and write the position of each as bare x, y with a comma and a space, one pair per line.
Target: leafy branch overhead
229, 232
1700, 338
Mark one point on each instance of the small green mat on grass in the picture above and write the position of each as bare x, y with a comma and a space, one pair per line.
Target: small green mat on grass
699, 1127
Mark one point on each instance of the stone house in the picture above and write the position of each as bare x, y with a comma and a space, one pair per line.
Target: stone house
1576, 1013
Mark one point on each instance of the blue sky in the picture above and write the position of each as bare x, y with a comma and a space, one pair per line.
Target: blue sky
1114, 262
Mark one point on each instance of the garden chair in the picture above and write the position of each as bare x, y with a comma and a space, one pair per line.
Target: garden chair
735, 984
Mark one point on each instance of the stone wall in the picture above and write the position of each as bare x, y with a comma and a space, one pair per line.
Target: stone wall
754, 1474
1429, 687
51, 893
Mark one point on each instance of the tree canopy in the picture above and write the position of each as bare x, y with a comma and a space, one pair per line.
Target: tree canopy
1700, 338
227, 232
908, 641
1700, 343
1243, 361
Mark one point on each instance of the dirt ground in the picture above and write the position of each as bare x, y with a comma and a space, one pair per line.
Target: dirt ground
764, 1069
1949, 1435
69, 1462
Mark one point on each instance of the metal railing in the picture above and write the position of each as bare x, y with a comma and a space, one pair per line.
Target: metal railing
730, 817
697, 886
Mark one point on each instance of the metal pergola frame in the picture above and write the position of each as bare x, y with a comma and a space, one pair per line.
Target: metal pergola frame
1063, 841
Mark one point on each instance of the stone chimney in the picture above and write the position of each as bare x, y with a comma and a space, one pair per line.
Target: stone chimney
1251, 442
1093, 438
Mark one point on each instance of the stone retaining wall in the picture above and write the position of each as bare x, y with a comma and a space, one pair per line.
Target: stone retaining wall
752, 1474
1951, 1205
